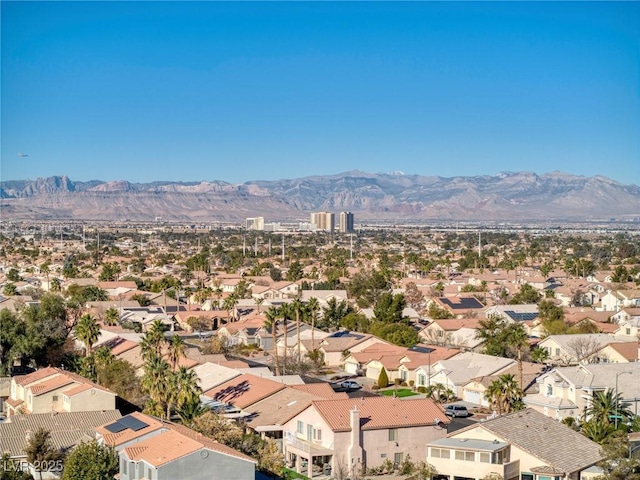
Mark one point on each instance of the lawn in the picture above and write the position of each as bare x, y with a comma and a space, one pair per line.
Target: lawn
400, 392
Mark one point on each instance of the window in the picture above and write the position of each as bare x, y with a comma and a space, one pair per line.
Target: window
383, 455
440, 453
498, 457
422, 380
393, 434
557, 352
527, 476
628, 330
549, 390
317, 434
123, 468
466, 456
485, 457
397, 457
300, 427
55, 398
149, 473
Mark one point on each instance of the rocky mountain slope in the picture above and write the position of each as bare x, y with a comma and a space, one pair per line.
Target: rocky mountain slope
510, 196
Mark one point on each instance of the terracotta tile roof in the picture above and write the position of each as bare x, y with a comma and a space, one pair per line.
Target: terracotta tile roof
208, 442
35, 376
244, 390
234, 364
127, 435
453, 324
54, 383
322, 390
628, 350
380, 412
121, 345
76, 390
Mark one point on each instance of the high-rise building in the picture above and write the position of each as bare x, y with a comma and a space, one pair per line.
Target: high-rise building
324, 221
256, 223
346, 222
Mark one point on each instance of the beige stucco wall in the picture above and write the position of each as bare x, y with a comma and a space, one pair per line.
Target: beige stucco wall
45, 403
90, 400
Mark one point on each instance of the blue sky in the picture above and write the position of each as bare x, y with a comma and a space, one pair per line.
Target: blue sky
241, 91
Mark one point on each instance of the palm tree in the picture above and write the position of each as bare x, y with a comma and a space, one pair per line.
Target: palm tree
314, 306
285, 313
518, 339
111, 316
606, 405
153, 340
229, 305
177, 350
259, 301
271, 323
504, 394
186, 387
297, 307
88, 332
156, 381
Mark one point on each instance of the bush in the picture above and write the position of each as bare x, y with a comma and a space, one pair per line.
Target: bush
375, 387
397, 381
403, 384
422, 389
383, 378
411, 383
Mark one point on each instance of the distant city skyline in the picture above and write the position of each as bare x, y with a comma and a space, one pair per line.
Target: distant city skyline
241, 91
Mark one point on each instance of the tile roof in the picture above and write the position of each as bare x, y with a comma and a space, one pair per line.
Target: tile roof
322, 390
35, 376
546, 439
380, 412
67, 429
244, 390
57, 381
127, 435
279, 408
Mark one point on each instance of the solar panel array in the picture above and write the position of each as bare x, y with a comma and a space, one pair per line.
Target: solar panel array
522, 316
126, 422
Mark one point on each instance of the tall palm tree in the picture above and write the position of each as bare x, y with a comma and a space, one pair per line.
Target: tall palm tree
504, 394
314, 307
153, 340
87, 331
186, 386
259, 301
229, 305
297, 308
271, 323
177, 350
518, 339
156, 381
285, 313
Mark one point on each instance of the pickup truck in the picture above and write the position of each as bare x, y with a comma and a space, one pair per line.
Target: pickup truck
346, 386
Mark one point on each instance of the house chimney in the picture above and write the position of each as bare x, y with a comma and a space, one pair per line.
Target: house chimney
354, 452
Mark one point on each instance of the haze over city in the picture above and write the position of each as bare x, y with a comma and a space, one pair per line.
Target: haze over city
190, 91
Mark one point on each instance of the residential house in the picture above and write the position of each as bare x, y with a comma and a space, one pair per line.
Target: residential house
457, 371
615, 300
268, 416
340, 437
243, 390
524, 445
567, 391
577, 348
623, 352
67, 430
178, 452
460, 306
453, 332
53, 390
335, 348
474, 391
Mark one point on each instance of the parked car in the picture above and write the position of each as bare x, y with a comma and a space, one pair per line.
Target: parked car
346, 386
456, 411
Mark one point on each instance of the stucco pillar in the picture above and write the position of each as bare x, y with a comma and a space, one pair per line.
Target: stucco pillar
354, 452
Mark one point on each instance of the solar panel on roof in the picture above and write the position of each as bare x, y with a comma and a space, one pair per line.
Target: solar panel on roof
115, 427
133, 423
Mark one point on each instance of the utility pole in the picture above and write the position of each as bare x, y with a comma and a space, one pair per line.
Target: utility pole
283, 248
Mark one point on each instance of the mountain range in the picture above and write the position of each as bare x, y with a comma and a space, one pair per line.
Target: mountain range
507, 196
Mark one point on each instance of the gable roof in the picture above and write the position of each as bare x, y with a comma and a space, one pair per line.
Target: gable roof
545, 438
380, 412
126, 435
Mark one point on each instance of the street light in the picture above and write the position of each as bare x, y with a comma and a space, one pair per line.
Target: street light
615, 421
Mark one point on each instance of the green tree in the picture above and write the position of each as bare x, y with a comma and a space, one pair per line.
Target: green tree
91, 461
177, 349
110, 272
111, 316
389, 308
526, 294
88, 332
294, 272
383, 378
504, 394
12, 469
606, 405
619, 463
9, 290
40, 450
